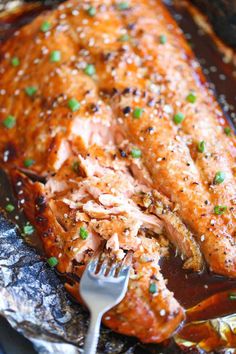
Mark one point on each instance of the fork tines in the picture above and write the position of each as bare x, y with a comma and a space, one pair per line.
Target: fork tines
106, 263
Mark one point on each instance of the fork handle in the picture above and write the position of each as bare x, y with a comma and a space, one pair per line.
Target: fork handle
91, 341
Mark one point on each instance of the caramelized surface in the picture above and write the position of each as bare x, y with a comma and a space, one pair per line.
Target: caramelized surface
140, 62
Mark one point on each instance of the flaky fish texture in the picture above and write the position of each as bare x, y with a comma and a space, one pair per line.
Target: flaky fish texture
110, 133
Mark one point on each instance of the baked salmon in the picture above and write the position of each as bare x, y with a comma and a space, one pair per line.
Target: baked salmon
110, 133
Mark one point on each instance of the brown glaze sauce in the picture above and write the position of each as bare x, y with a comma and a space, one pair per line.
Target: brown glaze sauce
189, 288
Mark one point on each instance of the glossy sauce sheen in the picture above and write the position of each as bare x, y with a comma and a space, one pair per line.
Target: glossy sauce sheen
196, 284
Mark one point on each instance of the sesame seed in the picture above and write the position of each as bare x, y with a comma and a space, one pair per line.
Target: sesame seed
75, 12
162, 312
6, 155
222, 77
202, 238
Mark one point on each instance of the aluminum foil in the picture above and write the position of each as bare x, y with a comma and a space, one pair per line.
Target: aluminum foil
34, 302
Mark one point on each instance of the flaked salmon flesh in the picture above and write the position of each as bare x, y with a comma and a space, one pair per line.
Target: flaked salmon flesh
110, 133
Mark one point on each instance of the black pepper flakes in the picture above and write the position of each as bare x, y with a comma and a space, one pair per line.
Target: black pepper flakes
126, 110
127, 90
94, 108
122, 153
107, 56
131, 26
114, 91
136, 92
150, 129
40, 202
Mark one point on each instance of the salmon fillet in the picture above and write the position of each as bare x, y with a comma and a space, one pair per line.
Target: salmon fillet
110, 132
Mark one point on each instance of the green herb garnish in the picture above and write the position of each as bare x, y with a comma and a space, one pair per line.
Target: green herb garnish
153, 288
137, 113
74, 104
9, 208
45, 26
55, 56
201, 146
52, 262
227, 130
191, 98
91, 11
28, 162
83, 233
123, 6
220, 209
28, 229
163, 39
219, 177
124, 38
136, 153
178, 118
15, 61
232, 296
9, 122
31, 90
90, 70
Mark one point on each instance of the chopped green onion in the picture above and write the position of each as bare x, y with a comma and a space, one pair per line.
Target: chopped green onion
219, 177
191, 98
227, 130
31, 90
75, 166
15, 61
9, 122
55, 56
178, 118
136, 153
45, 26
9, 208
28, 229
201, 146
28, 162
220, 209
122, 6
232, 296
73, 104
52, 262
83, 233
91, 11
153, 288
137, 112
90, 70
163, 39
124, 38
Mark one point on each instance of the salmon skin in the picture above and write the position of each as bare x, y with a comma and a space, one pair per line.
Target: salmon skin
110, 132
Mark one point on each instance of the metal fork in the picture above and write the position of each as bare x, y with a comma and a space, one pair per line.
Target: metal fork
102, 286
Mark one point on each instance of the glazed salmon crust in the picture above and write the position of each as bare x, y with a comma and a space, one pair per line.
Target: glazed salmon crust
110, 132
